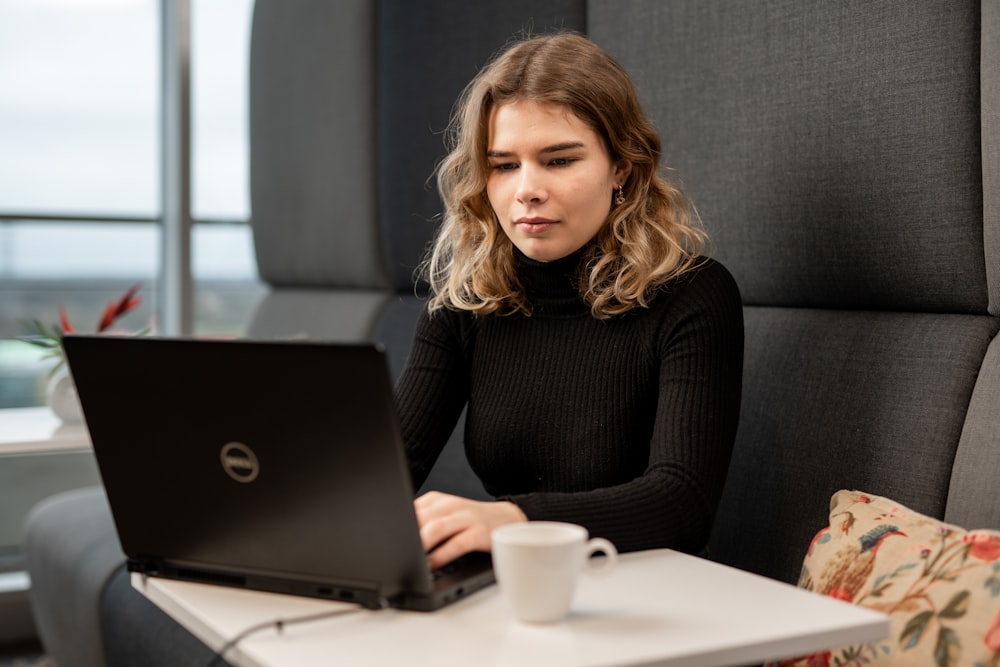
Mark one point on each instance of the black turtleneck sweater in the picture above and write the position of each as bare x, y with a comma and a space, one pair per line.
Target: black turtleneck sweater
624, 425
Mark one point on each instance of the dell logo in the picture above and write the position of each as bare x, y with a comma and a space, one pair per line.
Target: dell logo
240, 462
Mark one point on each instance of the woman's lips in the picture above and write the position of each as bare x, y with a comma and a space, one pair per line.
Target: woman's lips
535, 225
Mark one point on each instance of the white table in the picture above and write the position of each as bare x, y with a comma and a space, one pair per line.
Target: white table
33, 430
657, 608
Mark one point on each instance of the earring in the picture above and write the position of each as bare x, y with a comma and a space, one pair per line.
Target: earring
620, 199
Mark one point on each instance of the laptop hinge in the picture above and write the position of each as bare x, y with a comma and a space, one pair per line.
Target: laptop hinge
368, 595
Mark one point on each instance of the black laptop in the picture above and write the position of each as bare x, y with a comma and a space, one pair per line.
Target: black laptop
276, 466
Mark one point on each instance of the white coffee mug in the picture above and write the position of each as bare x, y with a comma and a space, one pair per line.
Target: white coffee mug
537, 565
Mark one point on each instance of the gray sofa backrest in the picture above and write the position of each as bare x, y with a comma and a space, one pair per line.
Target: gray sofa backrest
840, 154
843, 156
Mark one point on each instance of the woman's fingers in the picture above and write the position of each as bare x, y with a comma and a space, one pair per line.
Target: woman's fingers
452, 526
437, 527
456, 546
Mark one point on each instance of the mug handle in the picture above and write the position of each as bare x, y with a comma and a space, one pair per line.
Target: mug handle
605, 565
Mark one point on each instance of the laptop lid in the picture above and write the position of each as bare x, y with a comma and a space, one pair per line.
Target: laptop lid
272, 465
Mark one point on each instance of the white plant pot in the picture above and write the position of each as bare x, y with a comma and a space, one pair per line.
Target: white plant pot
61, 397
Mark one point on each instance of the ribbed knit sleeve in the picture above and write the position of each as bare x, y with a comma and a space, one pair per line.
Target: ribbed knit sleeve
432, 390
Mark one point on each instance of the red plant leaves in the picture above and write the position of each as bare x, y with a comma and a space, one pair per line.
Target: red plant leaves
118, 308
64, 320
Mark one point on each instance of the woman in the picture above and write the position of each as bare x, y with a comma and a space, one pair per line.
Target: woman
598, 353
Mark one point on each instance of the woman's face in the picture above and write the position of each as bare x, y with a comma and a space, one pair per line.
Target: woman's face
551, 180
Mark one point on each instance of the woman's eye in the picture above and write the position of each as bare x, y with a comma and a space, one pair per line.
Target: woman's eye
505, 166
561, 161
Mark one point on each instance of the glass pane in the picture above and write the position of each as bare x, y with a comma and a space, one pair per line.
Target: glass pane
225, 274
63, 251
81, 266
78, 113
220, 53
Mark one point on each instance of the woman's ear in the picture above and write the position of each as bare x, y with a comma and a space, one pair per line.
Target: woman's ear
622, 170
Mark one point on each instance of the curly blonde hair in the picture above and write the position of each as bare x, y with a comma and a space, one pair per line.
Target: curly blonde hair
646, 241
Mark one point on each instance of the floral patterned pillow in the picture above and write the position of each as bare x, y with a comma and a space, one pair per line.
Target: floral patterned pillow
939, 584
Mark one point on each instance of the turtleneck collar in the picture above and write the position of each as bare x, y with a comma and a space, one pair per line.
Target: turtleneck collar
552, 286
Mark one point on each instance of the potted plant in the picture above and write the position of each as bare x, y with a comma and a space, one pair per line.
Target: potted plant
60, 391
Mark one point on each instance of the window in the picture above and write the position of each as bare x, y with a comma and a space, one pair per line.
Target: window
80, 169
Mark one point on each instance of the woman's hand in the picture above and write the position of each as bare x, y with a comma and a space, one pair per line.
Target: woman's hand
453, 526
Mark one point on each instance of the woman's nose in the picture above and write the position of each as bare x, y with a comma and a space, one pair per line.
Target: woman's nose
530, 188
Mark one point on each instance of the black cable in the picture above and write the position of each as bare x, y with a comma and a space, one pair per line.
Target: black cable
279, 625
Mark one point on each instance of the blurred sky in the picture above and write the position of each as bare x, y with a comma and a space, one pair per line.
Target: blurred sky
79, 124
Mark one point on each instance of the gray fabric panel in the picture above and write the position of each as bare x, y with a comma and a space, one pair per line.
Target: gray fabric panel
990, 91
832, 148
419, 79
331, 315
839, 399
972, 497
312, 137
71, 549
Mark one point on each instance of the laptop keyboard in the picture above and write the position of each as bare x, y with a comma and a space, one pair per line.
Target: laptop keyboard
471, 561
